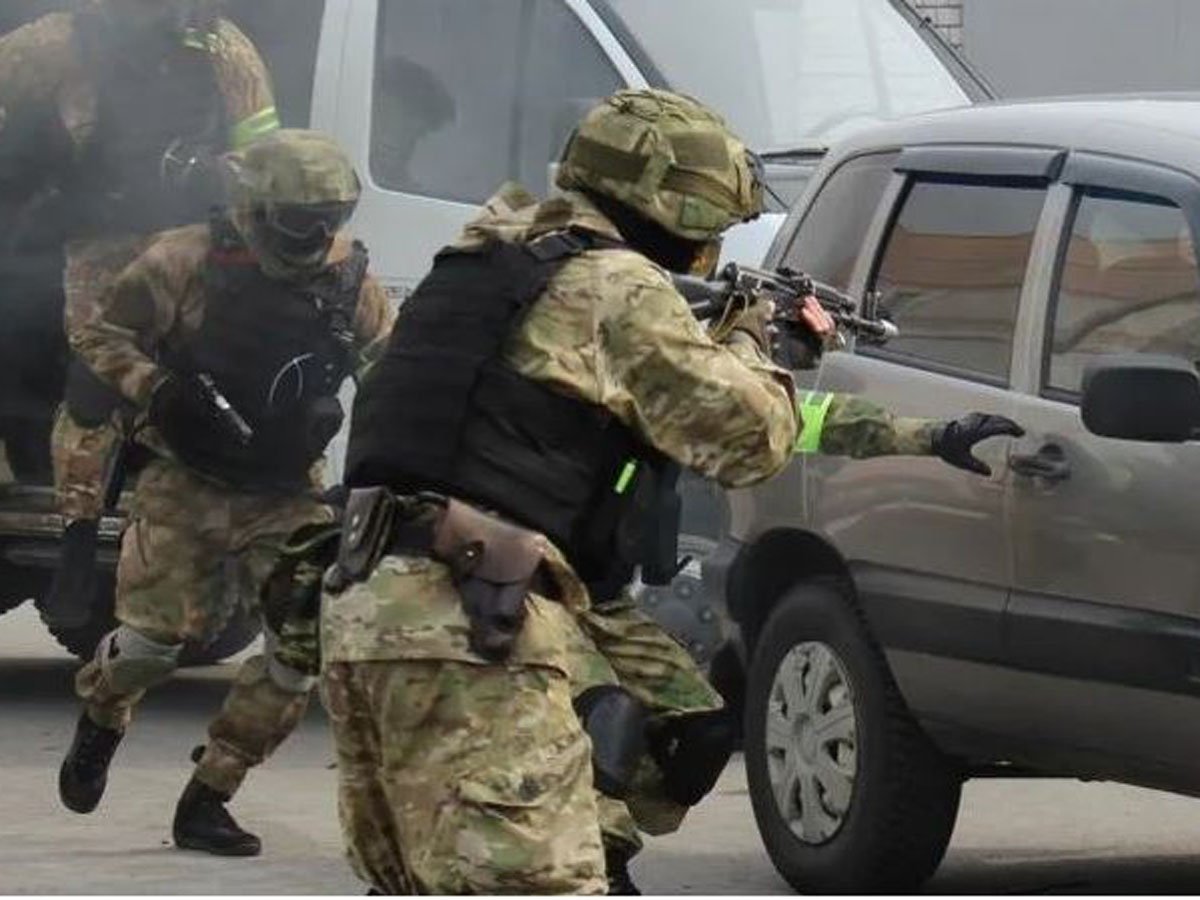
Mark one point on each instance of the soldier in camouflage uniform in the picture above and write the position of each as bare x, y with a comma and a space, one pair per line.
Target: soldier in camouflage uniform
231, 341
112, 119
548, 371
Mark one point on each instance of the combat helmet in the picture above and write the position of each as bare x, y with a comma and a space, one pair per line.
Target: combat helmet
290, 193
667, 157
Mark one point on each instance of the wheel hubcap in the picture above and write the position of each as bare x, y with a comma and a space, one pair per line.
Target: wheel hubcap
812, 742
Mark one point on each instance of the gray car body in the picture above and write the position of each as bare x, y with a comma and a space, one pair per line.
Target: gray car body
1033, 625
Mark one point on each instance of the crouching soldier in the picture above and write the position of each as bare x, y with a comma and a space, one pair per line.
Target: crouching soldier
539, 387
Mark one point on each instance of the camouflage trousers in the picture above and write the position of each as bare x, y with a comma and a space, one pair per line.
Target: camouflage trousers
192, 554
616, 643
455, 775
81, 453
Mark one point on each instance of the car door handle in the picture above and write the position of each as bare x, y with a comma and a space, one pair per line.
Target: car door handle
1049, 464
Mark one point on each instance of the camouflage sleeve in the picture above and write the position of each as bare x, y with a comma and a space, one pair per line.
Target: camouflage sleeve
35, 61
372, 325
245, 85
842, 425
723, 411
141, 308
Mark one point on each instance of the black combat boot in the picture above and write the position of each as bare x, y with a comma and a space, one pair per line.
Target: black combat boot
616, 864
203, 823
84, 772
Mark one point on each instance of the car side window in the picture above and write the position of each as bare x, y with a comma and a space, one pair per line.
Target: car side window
1127, 283
469, 94
830, 238
951, 275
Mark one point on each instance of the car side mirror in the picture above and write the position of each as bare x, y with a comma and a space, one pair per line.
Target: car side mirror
1141, 397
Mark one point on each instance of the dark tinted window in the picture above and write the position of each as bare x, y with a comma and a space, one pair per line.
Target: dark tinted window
469, 94
829, 240
1128, 283
952, 271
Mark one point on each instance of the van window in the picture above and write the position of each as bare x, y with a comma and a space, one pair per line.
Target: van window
788, 73
286, 33
951, 275
471, 94
829, 240
1128, 283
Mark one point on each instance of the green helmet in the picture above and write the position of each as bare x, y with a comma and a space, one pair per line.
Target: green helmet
291, 193
669, 158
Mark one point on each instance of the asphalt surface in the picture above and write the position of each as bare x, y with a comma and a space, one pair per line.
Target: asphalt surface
1012, 836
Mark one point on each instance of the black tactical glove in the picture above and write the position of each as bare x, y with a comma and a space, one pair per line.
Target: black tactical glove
179, 407
954, 440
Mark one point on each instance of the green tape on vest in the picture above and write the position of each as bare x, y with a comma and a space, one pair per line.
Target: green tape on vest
626, 477
812, 411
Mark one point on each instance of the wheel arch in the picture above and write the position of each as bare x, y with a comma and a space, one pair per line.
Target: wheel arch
766, 569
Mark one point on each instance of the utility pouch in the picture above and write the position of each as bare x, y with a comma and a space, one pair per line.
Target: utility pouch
367, 533
493, 564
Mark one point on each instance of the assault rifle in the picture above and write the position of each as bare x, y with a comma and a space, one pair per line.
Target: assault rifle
787, 288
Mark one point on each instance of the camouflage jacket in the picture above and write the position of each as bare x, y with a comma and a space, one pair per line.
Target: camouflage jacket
160, 298
612, 330
40, 69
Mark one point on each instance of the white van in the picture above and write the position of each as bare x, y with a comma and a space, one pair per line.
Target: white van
440, 101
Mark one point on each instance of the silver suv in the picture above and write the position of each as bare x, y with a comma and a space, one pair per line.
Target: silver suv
905, 625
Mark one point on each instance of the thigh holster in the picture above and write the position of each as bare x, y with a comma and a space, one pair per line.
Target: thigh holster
493, 563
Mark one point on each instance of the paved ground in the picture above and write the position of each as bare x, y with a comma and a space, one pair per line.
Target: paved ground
1013, 837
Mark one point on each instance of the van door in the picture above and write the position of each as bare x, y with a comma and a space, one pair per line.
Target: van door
441, 101
1104, 623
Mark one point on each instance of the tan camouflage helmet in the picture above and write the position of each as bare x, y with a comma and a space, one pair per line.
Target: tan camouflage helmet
668, 157
292, 167
290, 192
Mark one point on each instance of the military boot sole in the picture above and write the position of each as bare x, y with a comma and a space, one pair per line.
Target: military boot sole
251, 846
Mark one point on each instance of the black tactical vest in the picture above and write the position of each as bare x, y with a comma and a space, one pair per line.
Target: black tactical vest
279, 353
442, 412
157, 106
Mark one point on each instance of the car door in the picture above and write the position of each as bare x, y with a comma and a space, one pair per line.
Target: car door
442, 101
927, 544
1104, 624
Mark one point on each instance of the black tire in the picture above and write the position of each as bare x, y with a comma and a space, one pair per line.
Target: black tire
904, 797
81, 640
241, 631
18, 584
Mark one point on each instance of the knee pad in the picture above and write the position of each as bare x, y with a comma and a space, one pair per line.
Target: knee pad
283, 676
692, 751
615, 721
132, 662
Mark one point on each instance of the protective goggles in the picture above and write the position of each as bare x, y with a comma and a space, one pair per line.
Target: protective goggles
307, 223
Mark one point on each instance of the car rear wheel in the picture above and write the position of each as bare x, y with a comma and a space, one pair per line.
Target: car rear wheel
848, 793
18, 584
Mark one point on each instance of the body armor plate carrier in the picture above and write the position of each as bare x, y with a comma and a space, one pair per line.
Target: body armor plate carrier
278, 353
444, 413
